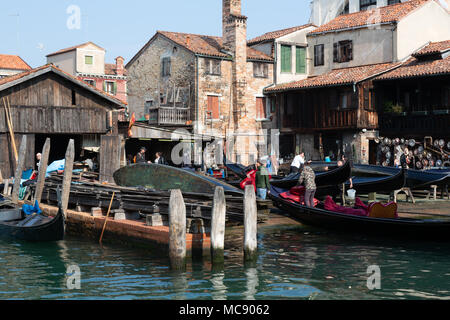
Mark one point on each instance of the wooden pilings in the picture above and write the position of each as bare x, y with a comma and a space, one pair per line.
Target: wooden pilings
19, 170
218, 226
177, 230
250, 224
42, 171
67, 180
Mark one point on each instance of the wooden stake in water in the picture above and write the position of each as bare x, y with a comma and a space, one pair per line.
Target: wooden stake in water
19, 170
177, 230
218, 226
42, 171
250, 224
107, 216
67, 180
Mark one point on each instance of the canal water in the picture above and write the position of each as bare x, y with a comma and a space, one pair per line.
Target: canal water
294, 263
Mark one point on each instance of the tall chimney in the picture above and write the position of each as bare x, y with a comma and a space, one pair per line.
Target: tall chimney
119, 66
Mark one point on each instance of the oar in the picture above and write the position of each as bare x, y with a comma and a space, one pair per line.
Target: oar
11, 131
107, 215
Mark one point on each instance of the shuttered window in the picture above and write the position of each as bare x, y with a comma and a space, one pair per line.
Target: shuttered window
88, 59
343, 51
261, 108
319, 55
300, 64
286, 58
165, 67
213, 111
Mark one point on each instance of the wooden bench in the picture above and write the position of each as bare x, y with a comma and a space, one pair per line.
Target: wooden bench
407, 191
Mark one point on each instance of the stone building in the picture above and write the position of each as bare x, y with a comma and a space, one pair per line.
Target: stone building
209, 86
87, 62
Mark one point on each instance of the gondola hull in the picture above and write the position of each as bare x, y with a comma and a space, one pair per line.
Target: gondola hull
324, 179
36, 229
404, 227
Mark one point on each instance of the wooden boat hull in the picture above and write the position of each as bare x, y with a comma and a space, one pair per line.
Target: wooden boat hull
415, 228
164, 178
330, 178
36, 229
415, 179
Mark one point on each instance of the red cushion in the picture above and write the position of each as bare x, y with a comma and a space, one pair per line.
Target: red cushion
298, 190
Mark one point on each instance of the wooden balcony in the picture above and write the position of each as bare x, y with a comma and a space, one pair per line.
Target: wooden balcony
419, 123
166, 116
337, 119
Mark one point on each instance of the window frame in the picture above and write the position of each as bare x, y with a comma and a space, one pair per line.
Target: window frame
260, 65
339, 54
285, 63
264, 108
114, 87
297, 50
316, 55
92, 60
367, 4
166, 67
212, 65
210, 113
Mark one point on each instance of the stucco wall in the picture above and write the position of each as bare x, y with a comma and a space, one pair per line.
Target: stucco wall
64, 61
98, 66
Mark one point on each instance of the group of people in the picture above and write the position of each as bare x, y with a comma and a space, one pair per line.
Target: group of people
141, 157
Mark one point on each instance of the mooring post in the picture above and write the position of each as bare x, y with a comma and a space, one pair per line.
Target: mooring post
67, 180
250, 224
42, 171
218, 226
177, 230
19, 170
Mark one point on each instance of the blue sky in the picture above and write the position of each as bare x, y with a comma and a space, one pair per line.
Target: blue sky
33, 29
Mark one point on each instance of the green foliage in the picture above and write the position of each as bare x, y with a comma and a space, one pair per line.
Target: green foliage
390, 107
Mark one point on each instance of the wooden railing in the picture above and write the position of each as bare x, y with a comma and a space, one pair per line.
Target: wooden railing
429, 123
169, 116
337, 119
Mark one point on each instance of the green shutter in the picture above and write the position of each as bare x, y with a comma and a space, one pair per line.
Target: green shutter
104, 86
286, 59
88, 59
115, 88
300, 60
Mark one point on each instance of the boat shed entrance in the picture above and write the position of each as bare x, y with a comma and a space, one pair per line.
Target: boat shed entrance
47, 102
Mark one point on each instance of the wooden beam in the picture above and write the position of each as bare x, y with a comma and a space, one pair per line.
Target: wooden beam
67, 180
177, 230
19, 170
42, 171
250, 224
218, 226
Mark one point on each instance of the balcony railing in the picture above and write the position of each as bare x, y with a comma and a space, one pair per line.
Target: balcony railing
430, 123
165, 116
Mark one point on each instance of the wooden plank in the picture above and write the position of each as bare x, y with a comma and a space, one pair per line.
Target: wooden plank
19, 170
250, 224
218, 226
67, 180
177, 231
42, 171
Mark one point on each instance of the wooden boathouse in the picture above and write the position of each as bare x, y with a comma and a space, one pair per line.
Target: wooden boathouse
45, 103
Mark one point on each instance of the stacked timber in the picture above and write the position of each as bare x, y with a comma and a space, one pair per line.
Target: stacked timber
86, 193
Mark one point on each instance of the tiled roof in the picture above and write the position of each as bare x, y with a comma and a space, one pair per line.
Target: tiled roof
336, 77
110, 69
433, 48
269, 36
387, 14
51, 67
209, 45
71, 49
418, 68
13, 63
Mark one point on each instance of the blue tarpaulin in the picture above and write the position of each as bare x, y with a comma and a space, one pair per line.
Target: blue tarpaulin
28, 209
55, 166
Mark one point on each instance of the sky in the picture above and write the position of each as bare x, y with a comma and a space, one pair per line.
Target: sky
32, 29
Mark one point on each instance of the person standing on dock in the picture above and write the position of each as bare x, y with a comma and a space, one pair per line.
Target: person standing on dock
160, 159
262, 179
140, 157
309, 178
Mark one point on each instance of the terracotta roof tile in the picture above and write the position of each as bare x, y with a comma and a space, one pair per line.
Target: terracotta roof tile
269, 36
433, 48
29, 72
209, 45
336, 77
13, 63
416, 68
110, 69
70, 49
387, 14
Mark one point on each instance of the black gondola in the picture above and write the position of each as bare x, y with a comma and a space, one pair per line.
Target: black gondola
36, 227
324, 179
424, 228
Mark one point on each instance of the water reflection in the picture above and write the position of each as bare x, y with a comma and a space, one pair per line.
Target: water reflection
252, 283
219, 288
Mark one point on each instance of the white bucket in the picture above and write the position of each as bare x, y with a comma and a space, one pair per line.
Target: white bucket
351, 193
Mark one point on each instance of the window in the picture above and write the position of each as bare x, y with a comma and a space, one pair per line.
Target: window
366, 4
345, 100
393, 2
319, 55
90, 82
212, 112
286, 58
88, 59
110, 87
74, 98
260, 70
212, 67
343, 51
165, 67
300, 60
148, 104
261, 108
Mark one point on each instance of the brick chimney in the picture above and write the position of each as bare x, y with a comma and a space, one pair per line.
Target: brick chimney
119, 66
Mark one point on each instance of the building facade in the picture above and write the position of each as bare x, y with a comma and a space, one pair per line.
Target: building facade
87, 63
10, 65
